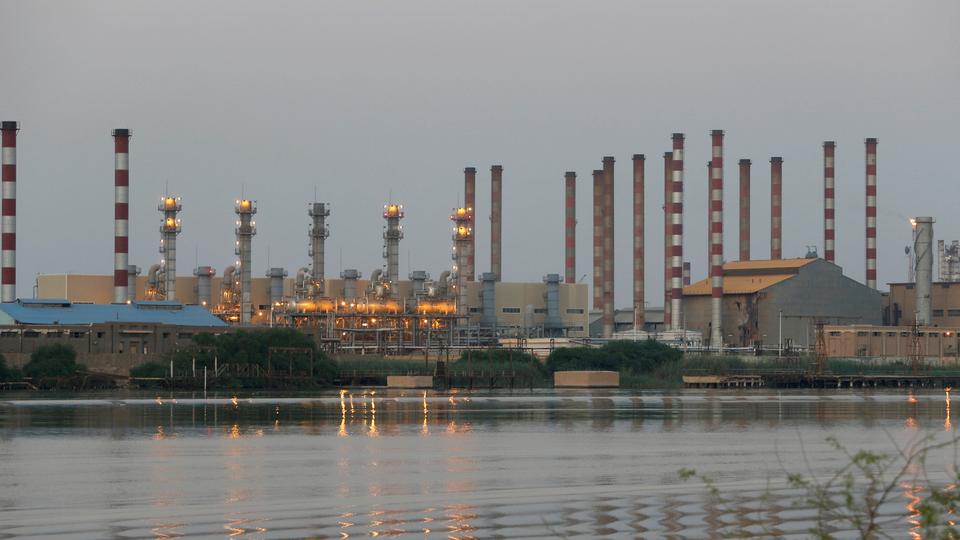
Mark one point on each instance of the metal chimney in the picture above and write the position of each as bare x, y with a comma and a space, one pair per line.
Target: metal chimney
496, 221
667, 236
169, 229
462, 236
276, 276
8, 243
716, 240
570, 228
923, 247
744, 209
470, 202
393, 213
204, 285
608, 248
638, 241
871, 170
132, 272
776, 207
121, 199
598, 202
350, 277
676, 233
553, 323
488, 308
245, 231
829, 202
319, 232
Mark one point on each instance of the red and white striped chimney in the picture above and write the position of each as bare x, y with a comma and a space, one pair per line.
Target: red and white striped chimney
608, 248
871, 147
676, 232
570, 228
667, 249
121, 192
716, 240
8, 272
638, 241
829, 202
598, 204
744, 209
469, 202
776, 207
496, 220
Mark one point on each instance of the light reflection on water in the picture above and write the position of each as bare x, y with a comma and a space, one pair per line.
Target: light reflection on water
459, 465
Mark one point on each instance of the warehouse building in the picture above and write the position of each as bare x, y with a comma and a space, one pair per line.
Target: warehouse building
780, 301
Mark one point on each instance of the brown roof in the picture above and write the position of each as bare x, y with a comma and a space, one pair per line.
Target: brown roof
747, 277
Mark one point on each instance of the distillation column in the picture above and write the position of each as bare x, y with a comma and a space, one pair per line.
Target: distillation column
246, 230
570, 228
121, 214
318, 236
871, 170
393, 213
716, 240
462, 236
169, 229
8, 273
829, 202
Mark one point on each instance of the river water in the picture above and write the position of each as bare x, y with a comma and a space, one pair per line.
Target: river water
540, 464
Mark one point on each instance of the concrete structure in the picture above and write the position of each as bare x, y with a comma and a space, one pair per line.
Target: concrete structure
598, 202
496, 220
923, 248
392, 235
716, 238
469, 202
169, 229
667, 186
761, 297
744, 209
245, 231
609, 246
776, 207
829, 202
121, 216
938, 345
8, 240
586, 379
319, 232
900, 307
871, 213
638, 239
676, 233
570, 227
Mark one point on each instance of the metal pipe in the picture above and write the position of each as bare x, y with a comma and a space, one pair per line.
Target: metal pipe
469, 202
169, 229
121, 216
598, 201
829, 202
638, 241
608, 248
716, 240
871, 173
744, 209
676, 233
570, 228
776, 207
319, 232
8, 241
496, 220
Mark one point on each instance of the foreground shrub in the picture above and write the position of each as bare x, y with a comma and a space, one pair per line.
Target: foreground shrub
7, 373
49, 361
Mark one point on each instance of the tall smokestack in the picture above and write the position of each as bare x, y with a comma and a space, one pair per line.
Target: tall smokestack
871, 148
319, 232
496, 220
716, 240
776, 207
393, 213
829, 203
744, 209
570, 228
608, 247
121, 200
667, 249
638, 241
169, 229
598, 203
923, 247
676, 233
8, 241
246, 230
469, 202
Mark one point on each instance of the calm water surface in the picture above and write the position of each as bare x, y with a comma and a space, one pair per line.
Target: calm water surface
575, 464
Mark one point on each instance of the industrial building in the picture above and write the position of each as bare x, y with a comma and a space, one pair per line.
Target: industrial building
779, 302
931, 345
900, 305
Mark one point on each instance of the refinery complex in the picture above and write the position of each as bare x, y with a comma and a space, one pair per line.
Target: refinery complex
755, 300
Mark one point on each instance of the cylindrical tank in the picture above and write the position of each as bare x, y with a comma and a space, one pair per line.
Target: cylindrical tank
204, 289
923, 247
276, 276
350, 277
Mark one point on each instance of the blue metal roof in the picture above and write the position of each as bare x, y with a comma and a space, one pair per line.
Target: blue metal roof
51, 312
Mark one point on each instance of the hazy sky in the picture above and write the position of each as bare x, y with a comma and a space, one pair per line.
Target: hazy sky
361, 101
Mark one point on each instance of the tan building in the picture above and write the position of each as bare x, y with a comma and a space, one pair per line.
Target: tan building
934, 344
520, 307
900, 304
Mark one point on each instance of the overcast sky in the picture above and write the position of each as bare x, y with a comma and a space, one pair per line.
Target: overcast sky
365, 102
